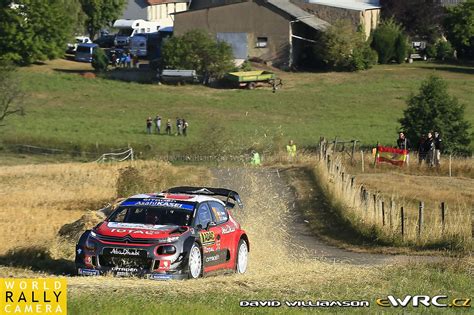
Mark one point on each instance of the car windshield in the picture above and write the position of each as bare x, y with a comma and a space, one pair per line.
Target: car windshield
152, 216
83, 49
125, 32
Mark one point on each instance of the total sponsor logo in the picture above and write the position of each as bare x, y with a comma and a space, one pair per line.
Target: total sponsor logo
423, 300
137, 228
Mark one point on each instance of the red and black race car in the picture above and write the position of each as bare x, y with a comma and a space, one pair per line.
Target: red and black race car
184, 232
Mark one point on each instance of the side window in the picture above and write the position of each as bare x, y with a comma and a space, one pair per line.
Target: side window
203, 216
219, 212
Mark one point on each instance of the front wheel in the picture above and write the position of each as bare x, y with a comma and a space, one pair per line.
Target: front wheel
242, 257
195, 262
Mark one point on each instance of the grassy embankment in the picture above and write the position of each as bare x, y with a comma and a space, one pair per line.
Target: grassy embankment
65, 110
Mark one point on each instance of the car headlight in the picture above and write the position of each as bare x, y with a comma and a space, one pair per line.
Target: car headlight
170, 239
90, 242
166, 250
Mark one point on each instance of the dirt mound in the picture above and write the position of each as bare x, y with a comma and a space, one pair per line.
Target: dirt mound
88, 75
69, 234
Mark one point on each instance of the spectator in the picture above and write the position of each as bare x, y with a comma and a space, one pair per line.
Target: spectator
158, 124
404, 144
178, 123
185, 127
149, 124
168, 127
430, 149
291, 150
255, 160
128, 60
438, 144
135, 60
421, 149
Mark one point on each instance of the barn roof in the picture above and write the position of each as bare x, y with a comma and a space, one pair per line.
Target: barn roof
300, 14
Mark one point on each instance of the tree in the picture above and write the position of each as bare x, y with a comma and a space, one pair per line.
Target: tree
459, 25
344, 48
11, 96
34, 30
421, 18
101, 13
433, 109
100, 61
196, 50
389, 42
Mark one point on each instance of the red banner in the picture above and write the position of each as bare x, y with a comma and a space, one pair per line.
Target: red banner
391, 155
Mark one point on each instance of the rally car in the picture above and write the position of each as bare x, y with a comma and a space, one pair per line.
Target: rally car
184, 232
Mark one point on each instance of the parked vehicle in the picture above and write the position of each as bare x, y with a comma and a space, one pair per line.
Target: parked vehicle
178, 76
184, 232
84, 52
129, 28
105, 41
138, 45
250, 79
418, 50
71, 48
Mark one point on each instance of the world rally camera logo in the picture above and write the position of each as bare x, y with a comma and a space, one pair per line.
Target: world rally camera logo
423, 300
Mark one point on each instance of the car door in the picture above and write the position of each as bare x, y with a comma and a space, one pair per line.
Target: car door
210, 236
226, 229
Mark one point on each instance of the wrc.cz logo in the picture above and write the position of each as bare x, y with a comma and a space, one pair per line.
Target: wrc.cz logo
423, 300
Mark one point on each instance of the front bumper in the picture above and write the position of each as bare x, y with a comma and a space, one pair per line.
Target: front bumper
84, 271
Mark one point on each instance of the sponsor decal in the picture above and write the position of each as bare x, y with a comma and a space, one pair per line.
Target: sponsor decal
157, 276
33, 296
88, 272
157, 203
226, 229
124, 269
423, 300
124, 252
302, 303
208, 238
208, 249
212, 258
124, 226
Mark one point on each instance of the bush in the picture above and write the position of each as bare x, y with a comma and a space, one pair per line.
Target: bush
389, 42
344, 48
433, 109
100, 61
196, 50
444, 50
246, 66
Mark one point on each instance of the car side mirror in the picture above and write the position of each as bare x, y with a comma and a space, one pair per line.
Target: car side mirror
211, 224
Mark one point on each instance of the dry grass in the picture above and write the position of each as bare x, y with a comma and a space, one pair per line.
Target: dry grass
37, 200
366, 213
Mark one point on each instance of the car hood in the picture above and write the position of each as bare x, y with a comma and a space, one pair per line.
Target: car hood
135, 230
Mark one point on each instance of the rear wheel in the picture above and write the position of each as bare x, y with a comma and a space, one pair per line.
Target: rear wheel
242, 257
195, 262
251, 85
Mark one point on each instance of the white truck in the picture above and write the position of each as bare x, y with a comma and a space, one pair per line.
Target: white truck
129, 28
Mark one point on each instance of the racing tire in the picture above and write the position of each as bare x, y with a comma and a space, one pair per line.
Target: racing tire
242, 257
195, 268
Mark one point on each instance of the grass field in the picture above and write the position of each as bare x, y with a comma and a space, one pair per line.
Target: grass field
65, 110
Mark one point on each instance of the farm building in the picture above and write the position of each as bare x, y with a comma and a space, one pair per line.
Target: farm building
154, 10
279, 32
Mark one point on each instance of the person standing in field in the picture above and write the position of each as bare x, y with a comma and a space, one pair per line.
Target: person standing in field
149, 124
158, 124
291, 150
185, 127
404, 144
438, 146
168, 127
430, 149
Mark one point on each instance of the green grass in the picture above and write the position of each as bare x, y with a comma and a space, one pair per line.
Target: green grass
65, 110
452, 280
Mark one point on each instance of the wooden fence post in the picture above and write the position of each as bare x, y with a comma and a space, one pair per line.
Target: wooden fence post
402, 221
420, 218
353, 151
362, 157
383, 213
450, 166
443, 216
375, 208
391, 212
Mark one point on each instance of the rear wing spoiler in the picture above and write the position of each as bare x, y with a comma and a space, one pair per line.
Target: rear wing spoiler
227, 193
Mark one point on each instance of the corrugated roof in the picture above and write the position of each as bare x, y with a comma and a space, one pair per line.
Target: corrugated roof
347, 4
300, 14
